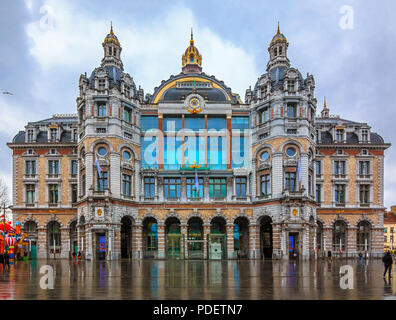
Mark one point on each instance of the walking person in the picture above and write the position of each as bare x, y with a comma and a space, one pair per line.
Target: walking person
329, 255
7, 260
388, 261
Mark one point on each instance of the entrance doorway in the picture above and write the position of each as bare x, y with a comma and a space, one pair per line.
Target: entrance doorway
293, 245
195, 241
241, 237
266, 237
217, 239
173, 238
126, 237
150, 237
101, 246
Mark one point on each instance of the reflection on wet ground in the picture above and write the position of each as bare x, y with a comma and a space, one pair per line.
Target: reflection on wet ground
178, 279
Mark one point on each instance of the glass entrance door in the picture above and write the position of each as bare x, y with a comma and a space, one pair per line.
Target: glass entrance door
174, 246
293, 245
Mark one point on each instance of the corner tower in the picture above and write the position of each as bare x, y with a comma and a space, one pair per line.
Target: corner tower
112, 51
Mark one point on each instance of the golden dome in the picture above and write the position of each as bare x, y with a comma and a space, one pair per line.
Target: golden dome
111, 37
191, 56
279, 37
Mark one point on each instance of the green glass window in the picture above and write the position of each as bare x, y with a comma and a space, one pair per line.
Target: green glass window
217, 188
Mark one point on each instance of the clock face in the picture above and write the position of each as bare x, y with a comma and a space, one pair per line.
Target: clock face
194, 103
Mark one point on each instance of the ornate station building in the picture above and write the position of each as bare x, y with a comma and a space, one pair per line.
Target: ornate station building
193, 172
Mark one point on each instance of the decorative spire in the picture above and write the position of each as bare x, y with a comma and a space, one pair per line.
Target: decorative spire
111, 27
325, 112
191, 59
278, 32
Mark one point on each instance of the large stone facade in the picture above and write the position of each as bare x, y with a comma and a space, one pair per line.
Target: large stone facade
267, 179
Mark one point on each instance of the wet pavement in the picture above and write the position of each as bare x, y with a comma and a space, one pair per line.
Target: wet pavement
179, 279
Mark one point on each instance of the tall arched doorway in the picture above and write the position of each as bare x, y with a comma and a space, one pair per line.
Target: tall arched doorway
218, 238
81, 230
73, 238
319, 238
241, 237
54, 239
195, 240
126, 237
174, 247
266, 237
30, 228
363, 236
339, 236
150, 237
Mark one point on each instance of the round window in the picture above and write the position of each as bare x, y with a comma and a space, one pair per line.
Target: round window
290, 152
126, 155
264, 156
102, 151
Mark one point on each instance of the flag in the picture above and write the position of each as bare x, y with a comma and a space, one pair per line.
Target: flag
196, 185
98, 166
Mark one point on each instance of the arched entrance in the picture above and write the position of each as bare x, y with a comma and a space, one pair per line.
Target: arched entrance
81, 229
241, 237
73, 238
319, 238
339, 236
266, 237
195, 240
150, 237
363, 236
218, 238
126, 237
30, 228
174, 247
54, 239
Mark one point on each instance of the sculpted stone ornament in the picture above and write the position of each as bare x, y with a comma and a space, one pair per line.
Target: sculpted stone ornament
194, 104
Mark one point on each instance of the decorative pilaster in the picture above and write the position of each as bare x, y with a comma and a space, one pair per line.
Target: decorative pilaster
230, 241
206, 232
161, 241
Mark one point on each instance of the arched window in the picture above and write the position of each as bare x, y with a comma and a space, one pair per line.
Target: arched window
280, 50
339, 235
54, 237
363, 236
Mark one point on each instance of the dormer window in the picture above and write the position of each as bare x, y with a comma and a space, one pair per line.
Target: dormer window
364, 152
340, 135
54, 134
53, 151
30, 135
127, 91
102, 84
365, 135
291, 86
340, 152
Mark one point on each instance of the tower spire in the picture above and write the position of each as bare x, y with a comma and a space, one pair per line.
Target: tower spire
191, 59
192, 37
325, 112
111, 27
278, 31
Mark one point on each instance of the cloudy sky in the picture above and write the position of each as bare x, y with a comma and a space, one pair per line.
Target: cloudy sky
349, 46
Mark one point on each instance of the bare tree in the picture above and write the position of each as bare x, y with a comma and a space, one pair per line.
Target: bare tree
4, 198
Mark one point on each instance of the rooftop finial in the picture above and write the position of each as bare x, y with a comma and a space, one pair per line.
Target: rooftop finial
111, 27
278, 32
324, 103
192, 37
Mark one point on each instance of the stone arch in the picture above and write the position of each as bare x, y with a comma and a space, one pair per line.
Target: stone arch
101, 141
27, 219
193, 215
52, 219
129, 147
340, 218
172, 215
368, 220
261, 148
290, 141
148, 215
218, 214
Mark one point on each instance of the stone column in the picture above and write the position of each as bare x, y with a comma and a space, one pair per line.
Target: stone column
230, 241
276, 240
115, 174
351, 242
116, 242
327, 240
183, 230
137, 250
65, 244
89, 172
254, 243
206, 232
277, 175
161, 241
42, 243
